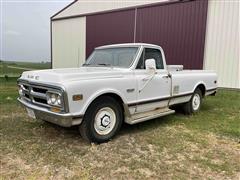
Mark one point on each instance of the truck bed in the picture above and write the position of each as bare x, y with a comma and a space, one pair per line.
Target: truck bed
186, 81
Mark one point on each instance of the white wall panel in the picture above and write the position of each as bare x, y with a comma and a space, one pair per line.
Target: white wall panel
90, 6
68, 42
222, 42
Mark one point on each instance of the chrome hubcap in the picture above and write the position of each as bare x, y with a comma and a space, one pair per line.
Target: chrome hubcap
105, 121
196, 102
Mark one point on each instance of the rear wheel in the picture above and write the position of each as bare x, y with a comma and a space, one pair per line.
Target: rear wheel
194, 104
102, 120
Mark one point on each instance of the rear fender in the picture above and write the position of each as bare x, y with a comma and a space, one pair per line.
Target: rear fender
199, 83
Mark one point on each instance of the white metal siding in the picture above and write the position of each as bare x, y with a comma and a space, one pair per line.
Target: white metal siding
68, 42
91, 6
222, 42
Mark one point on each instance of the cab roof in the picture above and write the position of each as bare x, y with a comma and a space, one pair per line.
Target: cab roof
127, 45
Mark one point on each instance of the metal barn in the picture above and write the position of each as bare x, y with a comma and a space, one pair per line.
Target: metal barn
200, 34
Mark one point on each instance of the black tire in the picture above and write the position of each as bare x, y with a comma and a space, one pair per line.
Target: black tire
87, 128
188, 107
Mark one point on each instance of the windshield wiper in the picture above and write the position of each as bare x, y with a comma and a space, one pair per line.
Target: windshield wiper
103, 64
100, 64
85, 64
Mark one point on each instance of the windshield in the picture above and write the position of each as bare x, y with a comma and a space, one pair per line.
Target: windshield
116, 57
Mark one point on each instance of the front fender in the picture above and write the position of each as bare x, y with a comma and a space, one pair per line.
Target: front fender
99, 93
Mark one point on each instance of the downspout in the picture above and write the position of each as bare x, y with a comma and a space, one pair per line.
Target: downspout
135, 26
51, 54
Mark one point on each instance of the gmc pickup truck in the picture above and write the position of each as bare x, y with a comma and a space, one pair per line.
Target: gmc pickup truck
119, 83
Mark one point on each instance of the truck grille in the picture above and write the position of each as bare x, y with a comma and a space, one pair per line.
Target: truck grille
36, 94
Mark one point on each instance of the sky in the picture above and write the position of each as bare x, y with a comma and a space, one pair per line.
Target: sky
25, 29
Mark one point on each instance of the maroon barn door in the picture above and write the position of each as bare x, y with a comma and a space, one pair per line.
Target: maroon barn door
179, 27
109, 28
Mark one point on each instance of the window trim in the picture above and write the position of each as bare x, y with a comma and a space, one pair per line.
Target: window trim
135, 58
142, 53
150, 47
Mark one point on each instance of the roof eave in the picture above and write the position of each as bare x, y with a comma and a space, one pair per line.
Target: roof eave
70, 4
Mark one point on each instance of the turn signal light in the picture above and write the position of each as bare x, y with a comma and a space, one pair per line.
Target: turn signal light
55, 109
77, 97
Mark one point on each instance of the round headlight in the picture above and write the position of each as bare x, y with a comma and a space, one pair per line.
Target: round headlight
53, 98
49, 101
59, 102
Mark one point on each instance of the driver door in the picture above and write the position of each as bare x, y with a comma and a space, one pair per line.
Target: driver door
153, 89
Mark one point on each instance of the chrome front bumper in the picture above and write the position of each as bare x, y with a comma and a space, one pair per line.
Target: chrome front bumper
65, 120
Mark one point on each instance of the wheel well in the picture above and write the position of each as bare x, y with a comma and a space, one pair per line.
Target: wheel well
114, 96
202, 89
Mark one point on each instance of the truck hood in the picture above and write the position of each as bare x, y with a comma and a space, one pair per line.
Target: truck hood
71, 74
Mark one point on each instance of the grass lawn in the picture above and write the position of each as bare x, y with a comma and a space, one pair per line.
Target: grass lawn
203, 146
15, 69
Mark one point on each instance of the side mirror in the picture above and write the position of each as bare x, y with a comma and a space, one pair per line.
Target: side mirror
150, 65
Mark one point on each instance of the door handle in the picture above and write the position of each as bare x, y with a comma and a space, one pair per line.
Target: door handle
145, 79
167, 76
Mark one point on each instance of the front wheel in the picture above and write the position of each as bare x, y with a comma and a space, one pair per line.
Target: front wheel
194, 104
102, 120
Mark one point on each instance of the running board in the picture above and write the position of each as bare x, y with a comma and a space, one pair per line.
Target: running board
140, 117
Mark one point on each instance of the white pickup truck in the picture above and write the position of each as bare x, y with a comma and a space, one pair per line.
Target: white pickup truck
118, 83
